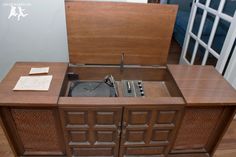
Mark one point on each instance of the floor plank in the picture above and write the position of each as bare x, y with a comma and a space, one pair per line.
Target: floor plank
225, 153
5, 149
229, 140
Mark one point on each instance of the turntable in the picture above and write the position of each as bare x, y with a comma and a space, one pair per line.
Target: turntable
104, 88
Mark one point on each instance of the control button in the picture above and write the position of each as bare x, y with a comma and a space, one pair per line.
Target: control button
142, 93
139, 82
140, 86
141, 89
128, 87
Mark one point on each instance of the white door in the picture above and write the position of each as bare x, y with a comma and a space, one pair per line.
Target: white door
211, 33
230, 73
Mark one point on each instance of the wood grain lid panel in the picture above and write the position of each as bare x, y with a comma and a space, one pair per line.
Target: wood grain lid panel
99, 32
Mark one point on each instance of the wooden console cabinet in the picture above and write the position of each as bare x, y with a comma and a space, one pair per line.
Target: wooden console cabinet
52, 124
184, 113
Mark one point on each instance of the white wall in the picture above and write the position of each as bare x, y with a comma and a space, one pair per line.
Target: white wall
132, 1
137, 1
40, 36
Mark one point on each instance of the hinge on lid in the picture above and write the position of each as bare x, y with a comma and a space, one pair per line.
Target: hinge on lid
159, 66
76, 65
121, 65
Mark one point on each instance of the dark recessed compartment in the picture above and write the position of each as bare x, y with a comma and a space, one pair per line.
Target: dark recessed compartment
143, 82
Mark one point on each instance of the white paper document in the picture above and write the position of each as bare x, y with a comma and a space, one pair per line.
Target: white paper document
35, 83
41, 70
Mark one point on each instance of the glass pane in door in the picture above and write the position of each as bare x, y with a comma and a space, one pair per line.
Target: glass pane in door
199, 55
229, 7
220, 35
197, 21
211, 60
190, 49
207, 28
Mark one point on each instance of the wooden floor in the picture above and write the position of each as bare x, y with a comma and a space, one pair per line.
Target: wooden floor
227, 147
5, 149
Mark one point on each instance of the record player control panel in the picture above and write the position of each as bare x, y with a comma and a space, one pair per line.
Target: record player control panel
133, 88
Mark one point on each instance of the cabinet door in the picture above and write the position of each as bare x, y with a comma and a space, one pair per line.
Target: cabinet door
92, 131
149, 131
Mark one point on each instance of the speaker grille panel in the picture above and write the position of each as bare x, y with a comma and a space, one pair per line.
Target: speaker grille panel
37, 130
196, 128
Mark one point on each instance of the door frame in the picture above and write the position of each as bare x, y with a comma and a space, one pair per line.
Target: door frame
222, 57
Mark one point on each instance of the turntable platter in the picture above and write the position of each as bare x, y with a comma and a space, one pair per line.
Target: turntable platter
91, 89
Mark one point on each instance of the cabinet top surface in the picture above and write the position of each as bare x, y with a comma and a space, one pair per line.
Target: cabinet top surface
198, 84
203, 85
49, 98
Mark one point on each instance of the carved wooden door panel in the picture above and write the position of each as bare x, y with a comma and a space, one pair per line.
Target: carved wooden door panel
92, 131
149, 131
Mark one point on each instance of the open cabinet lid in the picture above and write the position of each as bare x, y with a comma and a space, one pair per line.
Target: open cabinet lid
99, 32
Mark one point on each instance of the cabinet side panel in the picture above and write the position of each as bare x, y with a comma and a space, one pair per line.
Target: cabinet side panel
38, 131
196, 129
